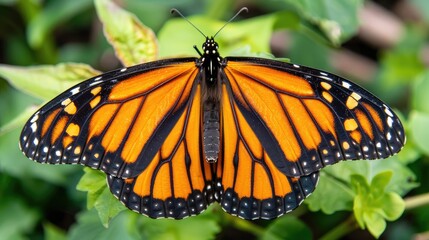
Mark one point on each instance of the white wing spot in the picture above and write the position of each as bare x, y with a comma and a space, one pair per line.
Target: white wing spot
35, 141
389, 136
75, 90
34, 118
346, 84
123, 69
326, 78
33, 127
387, 111
297, 66
94, 83
58, 153
389, 121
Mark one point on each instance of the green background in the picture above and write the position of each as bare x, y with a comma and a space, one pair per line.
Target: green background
354, 200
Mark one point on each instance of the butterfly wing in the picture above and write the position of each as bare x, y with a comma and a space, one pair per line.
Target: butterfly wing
141, 126
306, 119
115, 122
178, 181
252, 186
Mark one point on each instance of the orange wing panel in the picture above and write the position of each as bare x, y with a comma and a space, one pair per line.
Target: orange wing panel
143, 83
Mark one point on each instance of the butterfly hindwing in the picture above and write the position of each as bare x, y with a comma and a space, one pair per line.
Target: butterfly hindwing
306, 119
253, 187
114, 122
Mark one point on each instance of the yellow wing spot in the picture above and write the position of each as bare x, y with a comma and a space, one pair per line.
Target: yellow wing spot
352, 100
327, 96
66, 102
350, 124
351, 103
94, 102
325, 85
71, 108
77, 150
96, 155
73, 130
355, 96
324, 151
332, 143
96, 90
346, 145
90, 147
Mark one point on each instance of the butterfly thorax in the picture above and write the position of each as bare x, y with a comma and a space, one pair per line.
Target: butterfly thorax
211, 93
211, 61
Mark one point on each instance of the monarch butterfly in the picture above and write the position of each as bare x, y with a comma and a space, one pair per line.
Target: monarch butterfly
175, 135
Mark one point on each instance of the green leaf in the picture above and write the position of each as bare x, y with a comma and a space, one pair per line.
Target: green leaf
201, 227
373, 204
338, 20
133, 42
335, 193
46, 82
419, 95
401, 65
375, 223
88, 226
419, 123
331, 195
54, 13
18, 121
93, 182
108, 206
320, 53
287, 227
13, 162
99, 195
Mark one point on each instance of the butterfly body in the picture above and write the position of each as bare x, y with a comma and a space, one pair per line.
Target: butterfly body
211, 64
176, 135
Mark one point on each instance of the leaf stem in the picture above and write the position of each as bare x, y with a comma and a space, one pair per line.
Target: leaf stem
416, 201
339, 231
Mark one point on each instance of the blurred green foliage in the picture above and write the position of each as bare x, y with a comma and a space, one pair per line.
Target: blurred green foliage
39, 201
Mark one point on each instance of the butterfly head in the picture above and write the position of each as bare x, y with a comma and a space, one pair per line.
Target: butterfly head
210, 48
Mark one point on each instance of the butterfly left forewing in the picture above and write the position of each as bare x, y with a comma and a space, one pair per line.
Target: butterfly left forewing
114, 122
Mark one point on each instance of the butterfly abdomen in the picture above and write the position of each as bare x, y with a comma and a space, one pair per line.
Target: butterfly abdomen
211, 131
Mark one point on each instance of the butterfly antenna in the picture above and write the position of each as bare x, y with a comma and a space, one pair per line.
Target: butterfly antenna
174, 10
230, 20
